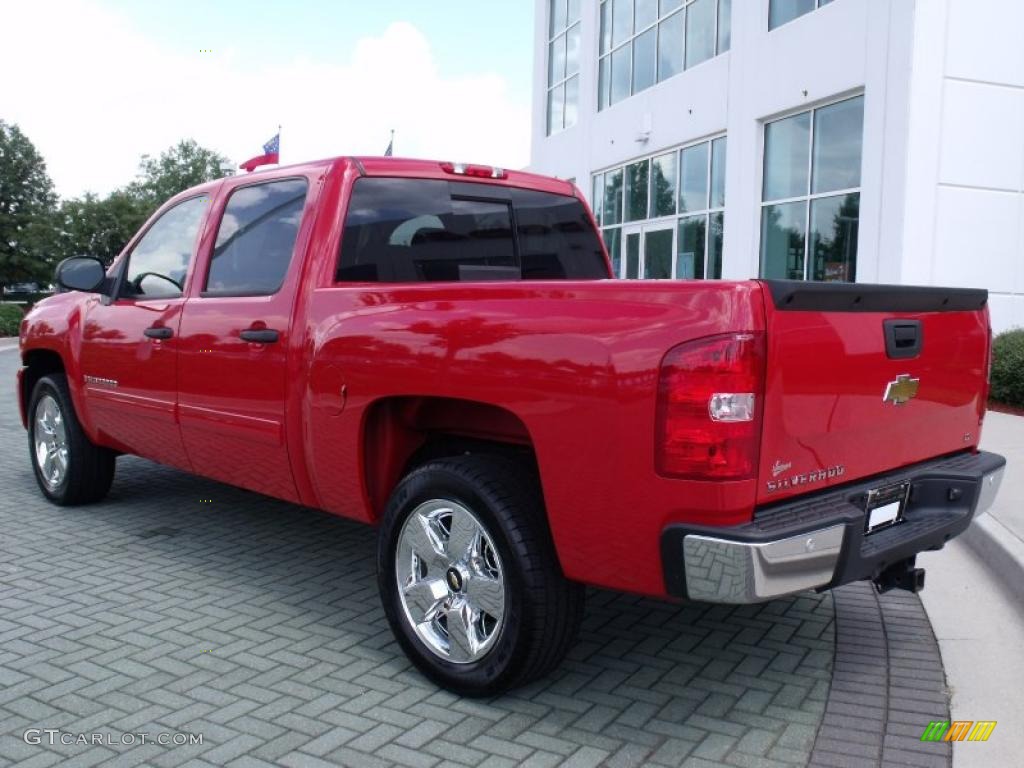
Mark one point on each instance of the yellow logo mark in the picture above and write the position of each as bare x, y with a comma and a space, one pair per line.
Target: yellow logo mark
982, 730
901, 390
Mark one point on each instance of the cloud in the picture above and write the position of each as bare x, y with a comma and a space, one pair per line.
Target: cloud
94, 94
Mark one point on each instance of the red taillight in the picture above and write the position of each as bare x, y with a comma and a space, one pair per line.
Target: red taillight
479, 171
710, 399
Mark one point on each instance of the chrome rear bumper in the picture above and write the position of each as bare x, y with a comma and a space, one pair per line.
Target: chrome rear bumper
819, 541
723, 571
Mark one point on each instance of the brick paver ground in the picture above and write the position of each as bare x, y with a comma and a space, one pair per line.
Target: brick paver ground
180, 605
888, 683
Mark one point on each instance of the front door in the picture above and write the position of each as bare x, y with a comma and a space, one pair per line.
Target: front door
130, 345
235, 337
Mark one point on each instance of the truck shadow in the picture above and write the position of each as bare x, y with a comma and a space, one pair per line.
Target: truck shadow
282, 601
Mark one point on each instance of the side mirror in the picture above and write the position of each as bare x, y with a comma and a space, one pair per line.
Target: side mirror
82, 273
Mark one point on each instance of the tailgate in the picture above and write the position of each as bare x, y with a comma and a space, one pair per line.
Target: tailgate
843, 401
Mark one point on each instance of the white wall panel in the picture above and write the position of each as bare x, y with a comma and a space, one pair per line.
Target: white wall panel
985, 40
976, 238
982, 135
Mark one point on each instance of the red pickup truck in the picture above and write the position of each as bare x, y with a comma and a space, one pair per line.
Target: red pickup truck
438, 349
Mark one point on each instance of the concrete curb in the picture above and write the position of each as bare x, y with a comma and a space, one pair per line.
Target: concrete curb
1000, 550
8, 343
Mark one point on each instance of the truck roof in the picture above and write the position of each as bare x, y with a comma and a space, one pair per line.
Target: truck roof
400, 166
413, 168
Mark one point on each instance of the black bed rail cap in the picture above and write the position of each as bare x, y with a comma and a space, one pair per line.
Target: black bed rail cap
798, 295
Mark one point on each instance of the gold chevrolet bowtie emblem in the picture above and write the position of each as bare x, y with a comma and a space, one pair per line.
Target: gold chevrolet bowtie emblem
900, 391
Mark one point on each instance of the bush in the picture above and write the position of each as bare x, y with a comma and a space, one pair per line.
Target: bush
10, 319
1008, 368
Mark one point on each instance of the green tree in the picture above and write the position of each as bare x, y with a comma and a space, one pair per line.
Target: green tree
182, 166
27, 203
100, 227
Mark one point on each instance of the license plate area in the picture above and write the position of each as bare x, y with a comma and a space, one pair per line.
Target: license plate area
885, 507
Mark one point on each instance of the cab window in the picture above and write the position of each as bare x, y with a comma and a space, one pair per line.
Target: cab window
424, 230
256, 238
159, 262
415, 230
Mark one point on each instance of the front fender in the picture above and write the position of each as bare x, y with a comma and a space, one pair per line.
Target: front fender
54, 326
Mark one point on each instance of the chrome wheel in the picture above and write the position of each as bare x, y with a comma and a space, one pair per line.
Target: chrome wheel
450, 581
51, 442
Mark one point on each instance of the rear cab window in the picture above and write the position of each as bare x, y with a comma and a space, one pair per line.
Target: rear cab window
426, 230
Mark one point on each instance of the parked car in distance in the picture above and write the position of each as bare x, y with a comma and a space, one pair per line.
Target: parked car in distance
438, 349
22, 292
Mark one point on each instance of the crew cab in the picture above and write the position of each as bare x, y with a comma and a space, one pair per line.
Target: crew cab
440, 350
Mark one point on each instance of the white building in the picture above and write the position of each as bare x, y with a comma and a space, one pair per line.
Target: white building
711, 135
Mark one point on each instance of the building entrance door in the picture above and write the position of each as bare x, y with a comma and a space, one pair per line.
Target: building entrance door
647, 251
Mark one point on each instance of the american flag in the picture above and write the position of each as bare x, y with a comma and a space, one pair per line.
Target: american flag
271, 154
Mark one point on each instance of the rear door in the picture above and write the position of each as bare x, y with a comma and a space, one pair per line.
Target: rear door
862, 379
236, 333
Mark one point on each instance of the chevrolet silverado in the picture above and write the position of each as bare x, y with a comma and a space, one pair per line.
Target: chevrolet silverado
438, 349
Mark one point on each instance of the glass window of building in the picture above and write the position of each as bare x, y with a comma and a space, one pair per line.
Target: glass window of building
642, 42
783, 11
810, 211
563, 95
664, 216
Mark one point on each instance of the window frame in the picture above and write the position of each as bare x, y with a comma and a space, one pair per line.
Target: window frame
811, 196
563, 83
124, 264
674, 219
606, 56
203, 293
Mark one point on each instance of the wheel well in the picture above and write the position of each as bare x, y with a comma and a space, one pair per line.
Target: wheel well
402, 433
38, 363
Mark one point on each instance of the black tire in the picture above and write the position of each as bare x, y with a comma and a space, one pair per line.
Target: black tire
90, 468
543, 609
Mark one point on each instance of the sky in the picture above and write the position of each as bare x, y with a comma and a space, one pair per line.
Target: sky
96, 84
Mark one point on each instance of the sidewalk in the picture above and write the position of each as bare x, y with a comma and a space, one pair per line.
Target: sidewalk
997, 536
980, 629
8, 342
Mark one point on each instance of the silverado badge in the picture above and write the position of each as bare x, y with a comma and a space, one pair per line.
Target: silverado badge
901, 390
802, 478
